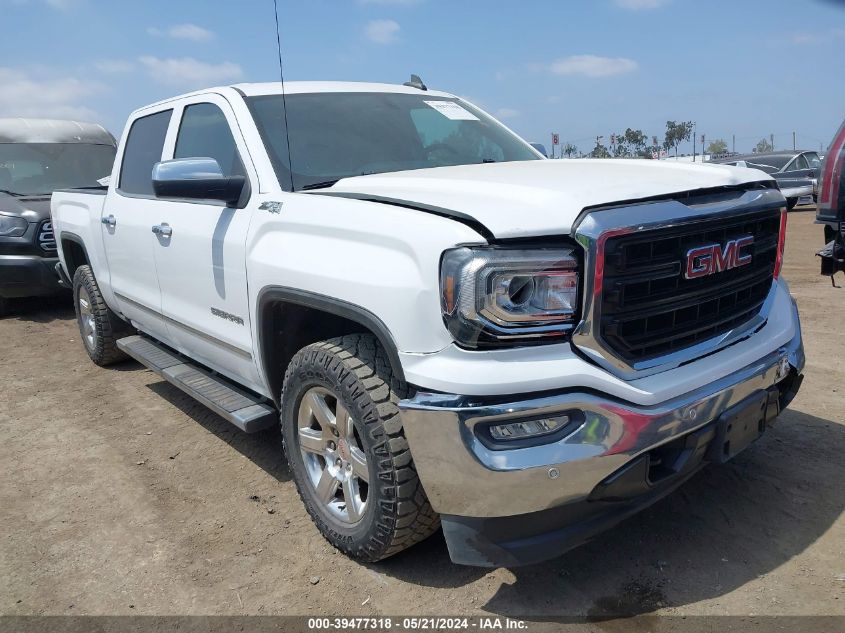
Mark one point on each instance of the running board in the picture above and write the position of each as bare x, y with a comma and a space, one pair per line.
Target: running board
247, 412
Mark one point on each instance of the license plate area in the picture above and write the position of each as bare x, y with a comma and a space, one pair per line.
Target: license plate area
738, 427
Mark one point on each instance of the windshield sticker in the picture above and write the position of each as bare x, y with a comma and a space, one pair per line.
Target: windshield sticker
104, 182
452, 110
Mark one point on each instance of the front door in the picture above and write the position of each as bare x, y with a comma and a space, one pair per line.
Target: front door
202, 262
797, 174
128, 216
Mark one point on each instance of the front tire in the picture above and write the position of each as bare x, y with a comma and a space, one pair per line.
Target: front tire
347, 450
99, 326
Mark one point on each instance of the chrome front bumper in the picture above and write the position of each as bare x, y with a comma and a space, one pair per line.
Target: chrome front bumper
465, 478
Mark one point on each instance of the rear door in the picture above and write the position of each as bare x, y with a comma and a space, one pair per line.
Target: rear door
128, 216
202, 264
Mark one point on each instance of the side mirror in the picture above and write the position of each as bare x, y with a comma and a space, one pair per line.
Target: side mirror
196, 179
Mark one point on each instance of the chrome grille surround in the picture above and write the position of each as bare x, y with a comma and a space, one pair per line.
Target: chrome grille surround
595, 227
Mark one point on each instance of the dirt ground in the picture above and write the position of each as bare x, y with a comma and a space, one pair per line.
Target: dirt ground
120, 495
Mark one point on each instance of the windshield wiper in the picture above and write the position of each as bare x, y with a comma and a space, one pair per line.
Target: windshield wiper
319, 185
489, 160
13, 193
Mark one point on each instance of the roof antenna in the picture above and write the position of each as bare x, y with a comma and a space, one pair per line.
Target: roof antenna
416, 82
284, 103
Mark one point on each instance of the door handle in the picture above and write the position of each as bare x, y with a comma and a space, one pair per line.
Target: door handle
163, 230
110, 221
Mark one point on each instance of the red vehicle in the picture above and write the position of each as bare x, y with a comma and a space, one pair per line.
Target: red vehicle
831, 206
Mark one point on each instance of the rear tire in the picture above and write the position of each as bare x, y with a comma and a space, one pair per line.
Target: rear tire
4, 306
347, 450
99, 326
790, 203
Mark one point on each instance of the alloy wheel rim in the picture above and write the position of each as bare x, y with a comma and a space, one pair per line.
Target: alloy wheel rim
334, 458
86, 320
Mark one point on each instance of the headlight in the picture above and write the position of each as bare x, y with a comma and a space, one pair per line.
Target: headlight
11, 226
493, 296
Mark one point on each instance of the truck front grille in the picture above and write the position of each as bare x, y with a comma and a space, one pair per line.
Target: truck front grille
46, 239
648, 306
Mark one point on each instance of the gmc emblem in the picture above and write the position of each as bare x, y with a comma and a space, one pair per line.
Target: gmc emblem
713, 258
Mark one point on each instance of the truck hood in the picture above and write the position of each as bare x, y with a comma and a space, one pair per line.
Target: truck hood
543, 197
33, 209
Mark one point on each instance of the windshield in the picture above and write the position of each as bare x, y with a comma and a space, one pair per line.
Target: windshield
769, 164
336, 135
40, 168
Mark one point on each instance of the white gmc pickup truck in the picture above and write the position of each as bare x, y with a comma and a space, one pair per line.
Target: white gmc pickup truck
448, 329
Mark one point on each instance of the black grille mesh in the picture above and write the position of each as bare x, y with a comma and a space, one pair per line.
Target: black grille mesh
650, 309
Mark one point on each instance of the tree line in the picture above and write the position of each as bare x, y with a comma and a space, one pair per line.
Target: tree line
635, 143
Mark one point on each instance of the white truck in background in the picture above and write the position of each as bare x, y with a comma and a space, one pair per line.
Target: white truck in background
447, 329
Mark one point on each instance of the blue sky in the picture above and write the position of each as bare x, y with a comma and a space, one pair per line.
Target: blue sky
580, 68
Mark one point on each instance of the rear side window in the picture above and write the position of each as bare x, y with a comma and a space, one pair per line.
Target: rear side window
143, 150
205, 133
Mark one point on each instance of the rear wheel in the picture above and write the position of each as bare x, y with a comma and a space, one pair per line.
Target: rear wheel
347, 451
790, 203
99, 326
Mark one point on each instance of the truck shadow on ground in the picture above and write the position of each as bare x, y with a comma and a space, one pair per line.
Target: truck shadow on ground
727, 526
41, 309
264, 448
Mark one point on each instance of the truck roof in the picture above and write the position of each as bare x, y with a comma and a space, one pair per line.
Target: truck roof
295, 87
22, 130
303, 87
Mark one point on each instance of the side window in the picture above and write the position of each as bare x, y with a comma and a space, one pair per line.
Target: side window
799, 163
813, 159
205, 133
143, 150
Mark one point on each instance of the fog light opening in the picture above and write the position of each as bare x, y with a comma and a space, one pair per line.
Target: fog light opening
529, 431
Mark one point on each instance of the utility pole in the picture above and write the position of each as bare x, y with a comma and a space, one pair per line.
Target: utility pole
733, 143
694, 130
702, 148
772, 141
793, 141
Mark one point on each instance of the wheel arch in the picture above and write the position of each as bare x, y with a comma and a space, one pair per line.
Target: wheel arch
288, 319
74, 253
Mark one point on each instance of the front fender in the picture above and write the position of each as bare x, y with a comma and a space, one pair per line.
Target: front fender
381, 258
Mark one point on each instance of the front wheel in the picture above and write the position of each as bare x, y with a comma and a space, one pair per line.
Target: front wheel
347, 450
98, 325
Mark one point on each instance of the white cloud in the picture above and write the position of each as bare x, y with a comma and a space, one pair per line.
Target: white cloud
390, 2
61, 97
640, 5
183, 32
188, 72
819, 37
506, 113
382, 31
805, 38
61, 5
114, 66
593, 65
